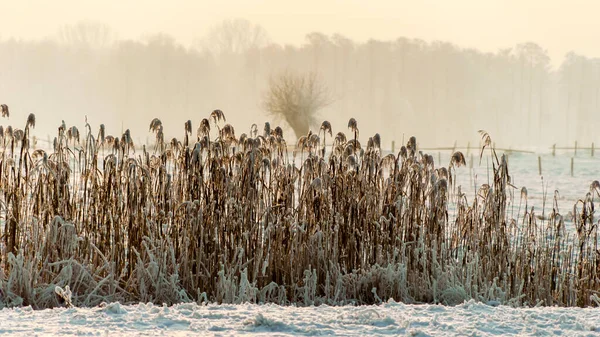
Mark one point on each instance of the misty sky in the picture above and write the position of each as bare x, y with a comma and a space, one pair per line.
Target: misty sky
557, 25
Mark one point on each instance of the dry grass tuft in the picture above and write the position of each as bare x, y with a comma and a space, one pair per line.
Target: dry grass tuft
234, 219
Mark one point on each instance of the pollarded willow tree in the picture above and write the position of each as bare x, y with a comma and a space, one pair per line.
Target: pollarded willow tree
296, 99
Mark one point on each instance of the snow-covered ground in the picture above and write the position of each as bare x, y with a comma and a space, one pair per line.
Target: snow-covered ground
467, 319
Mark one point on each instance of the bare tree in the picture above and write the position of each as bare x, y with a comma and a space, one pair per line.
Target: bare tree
296, 99
87, 34
234, 37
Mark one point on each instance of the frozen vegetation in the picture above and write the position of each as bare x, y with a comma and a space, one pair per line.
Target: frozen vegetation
214, 217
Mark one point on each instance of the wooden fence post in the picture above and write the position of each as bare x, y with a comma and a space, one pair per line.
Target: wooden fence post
572, 164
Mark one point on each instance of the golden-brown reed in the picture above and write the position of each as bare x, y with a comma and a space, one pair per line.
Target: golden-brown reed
234, 219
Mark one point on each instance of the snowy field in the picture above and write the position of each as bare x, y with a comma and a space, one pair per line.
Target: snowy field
393, 319
467, 319
524, 171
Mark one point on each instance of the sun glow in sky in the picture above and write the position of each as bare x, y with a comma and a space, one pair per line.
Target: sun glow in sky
557, 25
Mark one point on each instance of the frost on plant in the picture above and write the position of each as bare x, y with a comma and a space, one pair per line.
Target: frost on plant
233, 219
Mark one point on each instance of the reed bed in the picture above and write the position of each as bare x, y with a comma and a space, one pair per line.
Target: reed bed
214, 217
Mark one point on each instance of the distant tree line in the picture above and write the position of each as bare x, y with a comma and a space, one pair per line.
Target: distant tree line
437, 91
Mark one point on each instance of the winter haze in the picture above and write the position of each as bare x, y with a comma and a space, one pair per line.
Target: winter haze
528, 73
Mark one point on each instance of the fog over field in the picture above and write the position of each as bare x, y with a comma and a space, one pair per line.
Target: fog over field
527, 74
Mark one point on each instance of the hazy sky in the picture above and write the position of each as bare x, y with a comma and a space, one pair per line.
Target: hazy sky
559, 26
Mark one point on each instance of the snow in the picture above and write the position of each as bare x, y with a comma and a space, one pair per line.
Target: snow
391, 318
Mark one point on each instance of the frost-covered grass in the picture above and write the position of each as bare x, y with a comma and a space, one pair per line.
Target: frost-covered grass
230, 219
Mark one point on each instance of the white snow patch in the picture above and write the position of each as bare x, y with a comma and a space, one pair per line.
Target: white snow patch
391, 319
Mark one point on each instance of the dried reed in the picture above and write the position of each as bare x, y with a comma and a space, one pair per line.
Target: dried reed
234, 219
